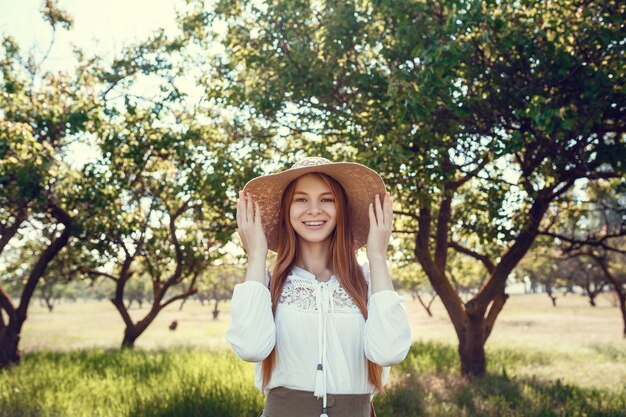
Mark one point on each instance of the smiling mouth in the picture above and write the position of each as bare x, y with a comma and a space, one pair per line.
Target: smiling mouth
316, 224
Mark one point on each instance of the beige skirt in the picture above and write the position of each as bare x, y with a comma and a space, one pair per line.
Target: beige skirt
285, 402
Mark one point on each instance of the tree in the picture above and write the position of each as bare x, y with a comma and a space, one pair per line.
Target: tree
594, 230
410, 278
479, 115
41, 114
218, 284
612, 264
162, 192
160, 217
583, 273
540, 270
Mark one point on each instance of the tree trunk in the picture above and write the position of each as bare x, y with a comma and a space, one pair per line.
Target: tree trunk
130, 336
10, 332
622, 304
216, 312
617, 286
9, 342
49, 304
551, 295
133, 331
592, 300
472, 347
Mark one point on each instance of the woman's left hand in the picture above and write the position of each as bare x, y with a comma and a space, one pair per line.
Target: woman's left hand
381, 216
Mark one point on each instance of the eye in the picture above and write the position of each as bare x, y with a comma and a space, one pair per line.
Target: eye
328, 200
300, 199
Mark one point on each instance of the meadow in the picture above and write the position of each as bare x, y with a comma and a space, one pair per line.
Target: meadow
543, 361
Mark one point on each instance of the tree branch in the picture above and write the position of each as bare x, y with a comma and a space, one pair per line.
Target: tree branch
406, 213
589, 241
494, 310
97, 273
482, 258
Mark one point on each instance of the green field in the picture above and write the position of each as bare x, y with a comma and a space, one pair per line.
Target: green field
543, 361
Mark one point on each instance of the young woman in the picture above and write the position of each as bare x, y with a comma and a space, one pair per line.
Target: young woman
321, 329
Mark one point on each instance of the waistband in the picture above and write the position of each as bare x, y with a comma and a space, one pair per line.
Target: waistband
286, 402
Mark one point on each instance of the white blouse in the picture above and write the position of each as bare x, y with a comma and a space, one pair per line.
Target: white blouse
317, 323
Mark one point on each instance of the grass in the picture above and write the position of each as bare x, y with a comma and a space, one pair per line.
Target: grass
103, 383
542, 361
575, 343
194, 382
427, 383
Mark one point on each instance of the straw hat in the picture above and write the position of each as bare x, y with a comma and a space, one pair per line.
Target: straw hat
360, 183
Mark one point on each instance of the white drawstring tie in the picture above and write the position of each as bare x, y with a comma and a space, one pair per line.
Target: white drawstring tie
323, 299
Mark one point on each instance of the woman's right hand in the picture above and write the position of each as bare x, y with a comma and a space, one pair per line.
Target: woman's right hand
250, 227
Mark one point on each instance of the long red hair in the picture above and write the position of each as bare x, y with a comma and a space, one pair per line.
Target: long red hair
344, 264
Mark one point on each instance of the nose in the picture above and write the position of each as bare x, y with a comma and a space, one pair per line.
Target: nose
314, 209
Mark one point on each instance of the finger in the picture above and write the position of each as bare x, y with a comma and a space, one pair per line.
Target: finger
241, 237
388, 210
239, 209
379, 211
370, 211
257, 214
250, 209
241, 205
243, 242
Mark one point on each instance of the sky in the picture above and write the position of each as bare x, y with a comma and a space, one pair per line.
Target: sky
99, 26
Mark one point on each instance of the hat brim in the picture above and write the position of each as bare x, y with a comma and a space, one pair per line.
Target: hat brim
360, 183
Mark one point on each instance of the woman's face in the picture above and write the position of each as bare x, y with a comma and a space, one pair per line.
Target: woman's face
312, 212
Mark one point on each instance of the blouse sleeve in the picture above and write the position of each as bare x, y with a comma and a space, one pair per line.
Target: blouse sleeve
252, 332
387, 335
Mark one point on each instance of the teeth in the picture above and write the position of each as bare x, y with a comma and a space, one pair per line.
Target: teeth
314, 223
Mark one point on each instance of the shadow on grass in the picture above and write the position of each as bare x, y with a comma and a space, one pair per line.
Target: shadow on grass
428, 384
435, 395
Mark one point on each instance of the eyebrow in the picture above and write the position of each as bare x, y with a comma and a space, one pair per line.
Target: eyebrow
302, 192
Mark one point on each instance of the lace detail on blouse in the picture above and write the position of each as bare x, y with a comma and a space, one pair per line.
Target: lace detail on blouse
299, 293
